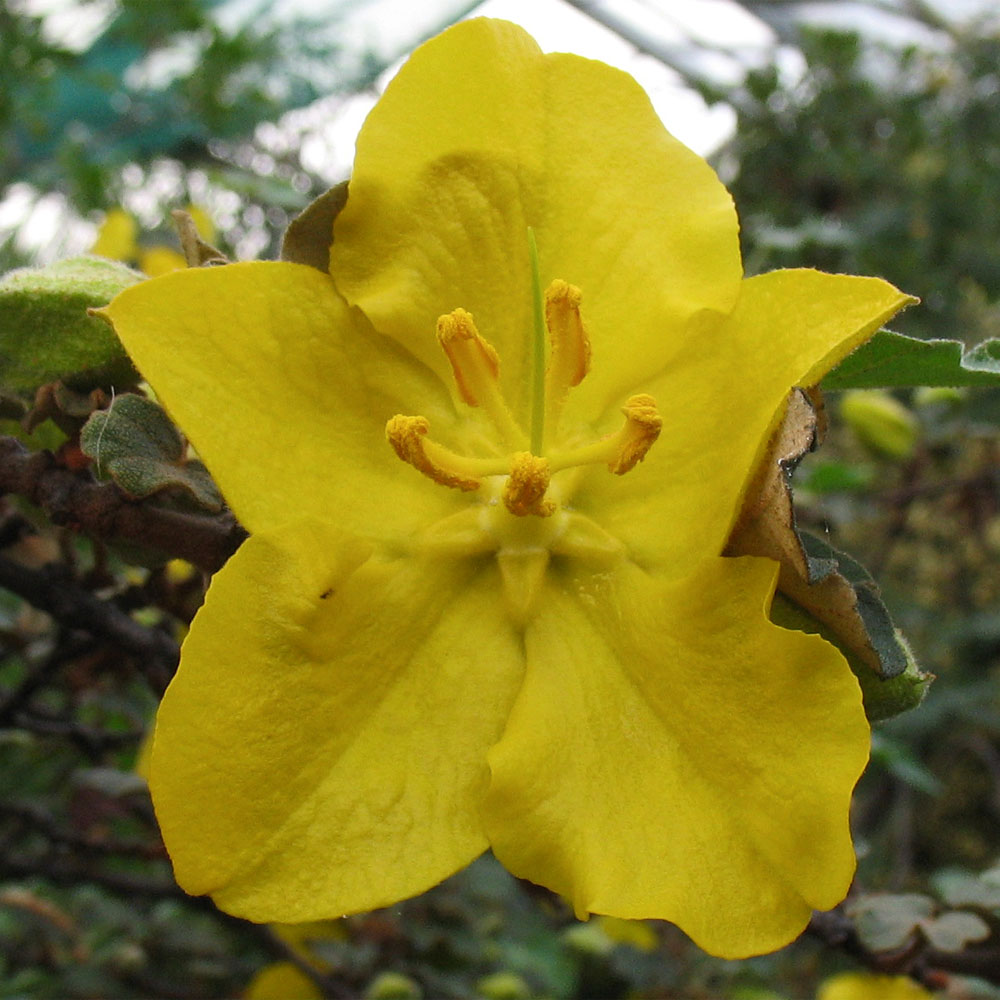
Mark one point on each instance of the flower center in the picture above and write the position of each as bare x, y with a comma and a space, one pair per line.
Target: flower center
525, 519
527, 464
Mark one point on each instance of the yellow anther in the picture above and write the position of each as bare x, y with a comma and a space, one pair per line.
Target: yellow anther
642, 427
473, 359
476, 367
569, 360
524, 491
569, 347
408, 437
622, 450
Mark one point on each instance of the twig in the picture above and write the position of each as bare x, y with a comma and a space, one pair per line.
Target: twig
76, 499
94, 743
919, 961
64, 870
44, 823
73, 607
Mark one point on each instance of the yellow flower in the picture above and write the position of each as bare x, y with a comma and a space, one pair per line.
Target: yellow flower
117, 239
498, 642
868, 986
116, 236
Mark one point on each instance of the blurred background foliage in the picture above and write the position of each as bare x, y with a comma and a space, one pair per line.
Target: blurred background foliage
866, 156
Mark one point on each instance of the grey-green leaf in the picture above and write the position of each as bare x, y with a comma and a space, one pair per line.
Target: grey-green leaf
888, 922
134, 442
953, 931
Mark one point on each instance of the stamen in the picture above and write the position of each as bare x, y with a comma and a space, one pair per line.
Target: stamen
569, 357
624, 449
408, 437
473, 360
524, 491
642, 427
476, 367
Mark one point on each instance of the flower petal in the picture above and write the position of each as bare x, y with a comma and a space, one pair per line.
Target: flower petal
721, 400
481, 136
673, 754
285, 392
322, 749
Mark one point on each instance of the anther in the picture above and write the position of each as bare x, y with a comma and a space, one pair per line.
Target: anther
642, 427
569, 347
408, 437
473, 359
622, 450
476, 367
524, 491
569, 360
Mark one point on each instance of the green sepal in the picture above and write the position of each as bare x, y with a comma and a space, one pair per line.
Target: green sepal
47, 335
883, 697
310, 234
892, 361
134, 442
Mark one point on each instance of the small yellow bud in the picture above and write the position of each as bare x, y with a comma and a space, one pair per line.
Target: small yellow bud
880, 422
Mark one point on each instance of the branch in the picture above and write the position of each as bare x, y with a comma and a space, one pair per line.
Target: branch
49, 590
76, 499
919, 961
45, 823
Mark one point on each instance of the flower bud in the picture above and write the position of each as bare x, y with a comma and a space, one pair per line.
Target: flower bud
880, 422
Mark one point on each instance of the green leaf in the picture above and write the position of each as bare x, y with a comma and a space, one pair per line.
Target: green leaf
890, 360
46, 333
310, 235
134, 442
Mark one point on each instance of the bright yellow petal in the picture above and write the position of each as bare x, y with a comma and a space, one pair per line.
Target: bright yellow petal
719, 401
285, 393
673, 754
481, 136
322, 749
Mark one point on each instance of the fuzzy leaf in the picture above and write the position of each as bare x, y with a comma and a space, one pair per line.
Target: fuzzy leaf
134, 442
47, 335
890, 360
